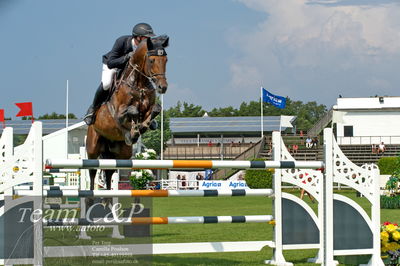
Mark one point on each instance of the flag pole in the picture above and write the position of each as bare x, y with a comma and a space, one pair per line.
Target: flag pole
262, 113
66, 119
66, 106
162, 127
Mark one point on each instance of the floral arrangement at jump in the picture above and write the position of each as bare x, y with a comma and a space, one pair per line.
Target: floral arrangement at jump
140, 178
390, 243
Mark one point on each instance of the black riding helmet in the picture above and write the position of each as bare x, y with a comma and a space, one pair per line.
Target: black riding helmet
142, 29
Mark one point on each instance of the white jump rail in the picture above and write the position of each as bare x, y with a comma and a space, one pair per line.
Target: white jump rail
178, 164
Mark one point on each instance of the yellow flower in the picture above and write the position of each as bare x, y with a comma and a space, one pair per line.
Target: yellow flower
391, 228
385, 247
392, 246
384, 236
396, 235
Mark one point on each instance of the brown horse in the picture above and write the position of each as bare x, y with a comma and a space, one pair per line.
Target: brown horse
131, 108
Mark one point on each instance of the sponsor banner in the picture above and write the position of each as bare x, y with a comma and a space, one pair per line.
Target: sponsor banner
222, 184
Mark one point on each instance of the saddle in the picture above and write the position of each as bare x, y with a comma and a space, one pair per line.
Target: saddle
116, 80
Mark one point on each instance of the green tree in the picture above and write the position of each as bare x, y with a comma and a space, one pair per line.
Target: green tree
224, 111
185, 110
307, 113
28, 118
54, 115
174, 111
152, 138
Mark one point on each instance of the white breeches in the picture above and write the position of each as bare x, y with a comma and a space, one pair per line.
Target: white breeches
107, 76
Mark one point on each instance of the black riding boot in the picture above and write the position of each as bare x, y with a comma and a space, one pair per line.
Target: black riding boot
99, 98
153, 125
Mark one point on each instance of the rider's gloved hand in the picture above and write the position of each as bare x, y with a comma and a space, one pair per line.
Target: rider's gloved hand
128, 56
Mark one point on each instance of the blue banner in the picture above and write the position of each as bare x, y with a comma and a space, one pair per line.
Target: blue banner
275, 100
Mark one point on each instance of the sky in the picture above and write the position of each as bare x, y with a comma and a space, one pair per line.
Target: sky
220, 54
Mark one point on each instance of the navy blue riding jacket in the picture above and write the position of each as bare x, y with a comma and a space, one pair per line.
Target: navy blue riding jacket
116, 58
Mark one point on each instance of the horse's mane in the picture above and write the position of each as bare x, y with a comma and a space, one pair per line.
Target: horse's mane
140, 52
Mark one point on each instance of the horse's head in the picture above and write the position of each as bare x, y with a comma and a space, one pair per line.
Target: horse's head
156, 61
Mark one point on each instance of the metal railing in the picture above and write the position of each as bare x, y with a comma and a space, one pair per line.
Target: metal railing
321, 124
216, 152
250, 153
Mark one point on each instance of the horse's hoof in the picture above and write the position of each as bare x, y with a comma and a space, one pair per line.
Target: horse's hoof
134, 140
153, 125
128, 140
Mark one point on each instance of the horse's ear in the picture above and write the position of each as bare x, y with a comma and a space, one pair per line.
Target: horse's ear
150, 45
166, 42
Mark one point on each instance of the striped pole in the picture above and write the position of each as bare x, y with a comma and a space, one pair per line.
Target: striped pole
150, 193
62, 170
178, 164
61, 206
161, 220
45, 188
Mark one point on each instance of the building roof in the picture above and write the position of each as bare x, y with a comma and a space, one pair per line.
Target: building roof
22, 127
371, 103
235, 124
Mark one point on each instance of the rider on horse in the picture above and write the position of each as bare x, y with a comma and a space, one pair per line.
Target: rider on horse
116, 59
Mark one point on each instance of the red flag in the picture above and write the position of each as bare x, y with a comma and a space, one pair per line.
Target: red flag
2, 117
25, 109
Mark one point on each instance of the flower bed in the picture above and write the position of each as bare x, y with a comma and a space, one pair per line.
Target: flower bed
390, 243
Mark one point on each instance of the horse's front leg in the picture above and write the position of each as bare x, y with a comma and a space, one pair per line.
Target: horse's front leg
154, 113
150, 121
147, 123
126, 117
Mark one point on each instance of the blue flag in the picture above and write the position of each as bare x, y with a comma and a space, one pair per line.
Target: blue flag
275, 100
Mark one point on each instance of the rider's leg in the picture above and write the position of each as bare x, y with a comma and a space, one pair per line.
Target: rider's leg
99, 97
101, 94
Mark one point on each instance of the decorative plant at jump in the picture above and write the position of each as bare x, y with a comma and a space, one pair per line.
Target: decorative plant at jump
391, 199
390, 243
393, 185
141, 177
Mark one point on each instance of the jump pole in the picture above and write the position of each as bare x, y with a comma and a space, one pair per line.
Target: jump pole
150, 193
161, 220
178, 164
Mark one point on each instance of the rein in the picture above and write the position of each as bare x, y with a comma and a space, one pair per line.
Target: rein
149, 77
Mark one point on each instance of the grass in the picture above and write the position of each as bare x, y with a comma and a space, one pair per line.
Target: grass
181, 233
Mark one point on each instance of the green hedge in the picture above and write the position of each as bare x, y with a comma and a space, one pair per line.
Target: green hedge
390, 202
387, 165
259, 178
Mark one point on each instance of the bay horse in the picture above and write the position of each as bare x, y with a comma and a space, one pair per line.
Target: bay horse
132, 106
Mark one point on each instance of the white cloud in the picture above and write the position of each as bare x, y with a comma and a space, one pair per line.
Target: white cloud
304, 47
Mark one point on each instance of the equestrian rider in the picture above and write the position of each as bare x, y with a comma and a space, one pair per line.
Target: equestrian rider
116, 59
